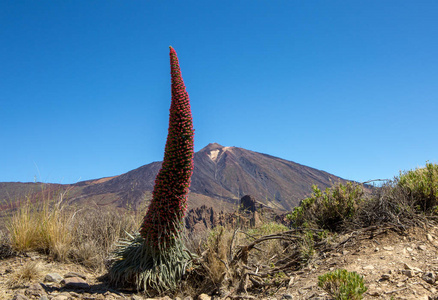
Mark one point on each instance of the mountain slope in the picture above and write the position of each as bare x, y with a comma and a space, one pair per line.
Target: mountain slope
221, 173
233, 172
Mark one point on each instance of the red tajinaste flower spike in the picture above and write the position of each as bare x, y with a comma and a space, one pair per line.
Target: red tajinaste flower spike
163, 219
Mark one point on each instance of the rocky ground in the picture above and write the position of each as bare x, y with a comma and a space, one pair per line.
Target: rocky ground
394, 266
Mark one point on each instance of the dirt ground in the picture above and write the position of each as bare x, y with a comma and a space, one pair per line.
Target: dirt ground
394, 266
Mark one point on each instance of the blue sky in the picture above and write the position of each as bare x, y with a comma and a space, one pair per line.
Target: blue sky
348, 87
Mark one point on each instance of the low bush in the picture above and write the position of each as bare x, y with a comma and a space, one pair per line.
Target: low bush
271, 248
405, 201
328, 209
422, 186
343, 285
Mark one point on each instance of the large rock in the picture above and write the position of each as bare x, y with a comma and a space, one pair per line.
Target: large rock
75, 274
75, 283
248, 203
53, 277
201, 218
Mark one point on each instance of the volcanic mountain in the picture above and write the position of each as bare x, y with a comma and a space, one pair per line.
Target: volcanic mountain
222, 175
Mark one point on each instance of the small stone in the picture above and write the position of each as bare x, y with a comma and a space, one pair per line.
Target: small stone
429, 237
60, 297
287, 296
429, 277
374, 294
75, 283
422, 247
34, 257
44, 297
53, 277
75, 274
408, 273
76, 295
408, 267
188, 298
376, 249
35, 290
204, 297
369, 267
385, 277
389, 248
409, 249
345, 252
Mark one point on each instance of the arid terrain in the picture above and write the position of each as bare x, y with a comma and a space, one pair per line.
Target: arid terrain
384, 240
394, 266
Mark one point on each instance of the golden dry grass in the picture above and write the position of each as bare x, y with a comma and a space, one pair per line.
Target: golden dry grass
29, 272
85, 236
42, 227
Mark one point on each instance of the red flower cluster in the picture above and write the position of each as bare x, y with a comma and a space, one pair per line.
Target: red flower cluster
163, 219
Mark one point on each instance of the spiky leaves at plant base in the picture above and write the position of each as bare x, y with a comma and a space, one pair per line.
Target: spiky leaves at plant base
157, 257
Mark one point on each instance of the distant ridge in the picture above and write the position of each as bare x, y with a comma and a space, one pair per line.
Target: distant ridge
222, 175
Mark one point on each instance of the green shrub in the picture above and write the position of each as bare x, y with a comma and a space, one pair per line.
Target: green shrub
343, 285
307, 246
328, 209
270, 247
421, 185
267, 228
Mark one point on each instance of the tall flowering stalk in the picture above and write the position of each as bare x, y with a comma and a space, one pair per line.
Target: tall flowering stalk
156, 258
169, 198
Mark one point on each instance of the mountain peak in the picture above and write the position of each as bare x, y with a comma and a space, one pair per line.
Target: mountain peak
212, 146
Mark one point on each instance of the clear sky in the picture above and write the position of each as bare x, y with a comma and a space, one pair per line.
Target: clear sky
348, 87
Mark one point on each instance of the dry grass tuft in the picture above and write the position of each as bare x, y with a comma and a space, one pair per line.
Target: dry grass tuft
217, 247
96, 233
42, 227
5, 246
30, 271
68, 235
